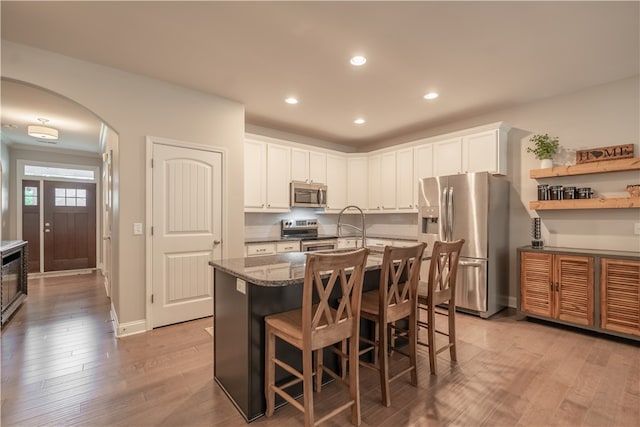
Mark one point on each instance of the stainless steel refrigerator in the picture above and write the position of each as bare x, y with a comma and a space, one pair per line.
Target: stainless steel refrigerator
474, 207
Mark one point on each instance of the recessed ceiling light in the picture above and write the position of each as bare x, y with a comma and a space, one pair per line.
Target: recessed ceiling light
291, 100
431, 95
358, 60
359, 121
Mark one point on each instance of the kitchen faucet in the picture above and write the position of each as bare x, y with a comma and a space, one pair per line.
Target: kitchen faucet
361, 230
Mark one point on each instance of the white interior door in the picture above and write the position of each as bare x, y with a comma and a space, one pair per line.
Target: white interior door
187, 212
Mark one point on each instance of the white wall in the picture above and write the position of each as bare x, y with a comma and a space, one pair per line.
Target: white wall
135, 107
5, 182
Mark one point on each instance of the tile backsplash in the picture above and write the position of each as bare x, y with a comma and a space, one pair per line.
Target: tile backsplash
267, 225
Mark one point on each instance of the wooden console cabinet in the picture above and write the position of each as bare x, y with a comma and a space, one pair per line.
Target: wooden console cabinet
596, 290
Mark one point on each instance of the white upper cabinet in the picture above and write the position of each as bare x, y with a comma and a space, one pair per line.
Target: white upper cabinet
255, 162
485, 151
448, 157
374, 202
336, 182
422, 167
405, 186
308, 166
278, 176
388, 180
357, 178
317, 167
267, 175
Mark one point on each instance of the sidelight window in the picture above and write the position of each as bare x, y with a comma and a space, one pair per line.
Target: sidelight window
71, 197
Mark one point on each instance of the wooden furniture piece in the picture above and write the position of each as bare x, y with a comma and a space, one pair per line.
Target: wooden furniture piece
316, 326
620, 295
395, 299
598, 290
15, 264
557, 286
440, 288
604, 166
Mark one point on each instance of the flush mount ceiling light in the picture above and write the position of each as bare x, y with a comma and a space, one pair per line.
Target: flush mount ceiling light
42, 132
358, 60
431, 95
359, 121
291, 100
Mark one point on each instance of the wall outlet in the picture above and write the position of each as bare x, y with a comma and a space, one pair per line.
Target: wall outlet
636, 228
241, 286
137, 229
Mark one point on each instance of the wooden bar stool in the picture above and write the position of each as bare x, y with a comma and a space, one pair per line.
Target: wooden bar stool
440, 288
394, 300
315, 326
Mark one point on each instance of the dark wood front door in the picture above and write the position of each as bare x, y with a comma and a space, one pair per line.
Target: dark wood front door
69, 225
31, 201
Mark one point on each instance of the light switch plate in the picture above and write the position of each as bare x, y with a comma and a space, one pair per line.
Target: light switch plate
137, 228
241, 286
636, 228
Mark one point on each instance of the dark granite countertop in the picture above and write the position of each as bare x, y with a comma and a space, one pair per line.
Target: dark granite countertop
582, 251
276, 270
279, 239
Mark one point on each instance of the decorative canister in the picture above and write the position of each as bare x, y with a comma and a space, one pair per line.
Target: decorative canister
555, 192
585, 193
570, 193
543, 192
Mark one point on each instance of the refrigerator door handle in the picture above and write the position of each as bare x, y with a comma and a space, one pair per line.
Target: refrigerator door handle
470, 264
450, 214
445, 206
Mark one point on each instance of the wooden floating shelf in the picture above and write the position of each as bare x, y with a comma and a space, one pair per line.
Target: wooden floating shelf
588, 168
611, 203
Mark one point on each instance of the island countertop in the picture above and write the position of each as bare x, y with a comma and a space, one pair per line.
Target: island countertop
277, 270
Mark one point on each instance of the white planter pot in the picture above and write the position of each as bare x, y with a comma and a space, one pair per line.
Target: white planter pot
546, 163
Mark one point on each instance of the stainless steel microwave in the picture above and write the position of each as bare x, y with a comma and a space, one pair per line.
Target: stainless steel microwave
304, 195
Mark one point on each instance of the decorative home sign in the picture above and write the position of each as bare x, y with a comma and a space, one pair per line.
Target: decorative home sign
614, 152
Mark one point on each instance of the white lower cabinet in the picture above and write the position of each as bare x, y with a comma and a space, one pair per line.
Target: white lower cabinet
283, 247
258, 249
349, 243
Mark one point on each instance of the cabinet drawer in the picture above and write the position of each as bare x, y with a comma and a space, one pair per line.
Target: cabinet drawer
282, 247
261, 249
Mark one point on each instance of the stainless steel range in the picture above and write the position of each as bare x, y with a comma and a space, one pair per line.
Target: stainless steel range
306, 230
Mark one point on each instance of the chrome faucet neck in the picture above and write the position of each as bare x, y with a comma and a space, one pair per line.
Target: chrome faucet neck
362, 229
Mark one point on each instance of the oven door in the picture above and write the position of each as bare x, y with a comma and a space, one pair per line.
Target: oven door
318, 245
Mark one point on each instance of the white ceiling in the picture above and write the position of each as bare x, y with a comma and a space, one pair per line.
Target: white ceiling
480, 56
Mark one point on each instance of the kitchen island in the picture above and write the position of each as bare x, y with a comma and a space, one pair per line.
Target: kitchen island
245, 291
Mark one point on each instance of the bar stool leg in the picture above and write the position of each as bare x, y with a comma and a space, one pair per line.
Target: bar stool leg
271, 371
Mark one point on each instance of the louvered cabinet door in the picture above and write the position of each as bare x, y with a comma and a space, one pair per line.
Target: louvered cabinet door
573, 283
620, 295
536, 274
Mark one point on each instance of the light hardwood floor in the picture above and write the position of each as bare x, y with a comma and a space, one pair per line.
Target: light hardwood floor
61, 365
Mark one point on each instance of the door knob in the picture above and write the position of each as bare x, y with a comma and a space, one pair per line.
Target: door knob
216, 242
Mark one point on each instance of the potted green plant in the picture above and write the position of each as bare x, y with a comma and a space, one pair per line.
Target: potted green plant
544, 148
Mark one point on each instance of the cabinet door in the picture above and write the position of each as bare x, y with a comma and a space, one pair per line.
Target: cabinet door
336, 183
405, 187
573, 286
388, 181
299, 165
317, 167
357, 181
620, 295
255, 154
374, 183
423, 167
448, 157
480, 152
278, 176
536, 283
